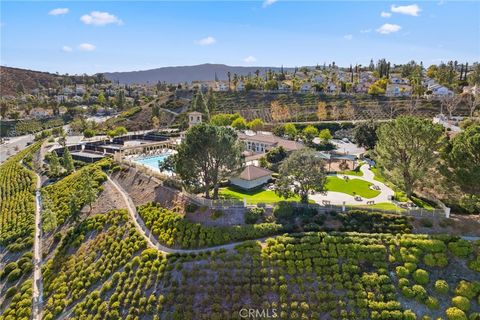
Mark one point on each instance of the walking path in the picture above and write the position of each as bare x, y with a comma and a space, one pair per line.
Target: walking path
152, 241
339, 197
37, 255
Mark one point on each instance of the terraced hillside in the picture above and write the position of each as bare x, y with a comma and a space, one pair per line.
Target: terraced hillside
302, 276
303, 107
17, 221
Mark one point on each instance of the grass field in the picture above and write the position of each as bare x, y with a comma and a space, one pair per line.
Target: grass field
352, 187
254, 196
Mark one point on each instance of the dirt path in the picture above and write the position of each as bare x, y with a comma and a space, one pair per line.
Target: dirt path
152, 241
37, 255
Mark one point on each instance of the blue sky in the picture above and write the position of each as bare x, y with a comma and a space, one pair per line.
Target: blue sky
90, 37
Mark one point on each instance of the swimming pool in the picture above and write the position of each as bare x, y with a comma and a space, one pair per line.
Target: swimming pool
152, 161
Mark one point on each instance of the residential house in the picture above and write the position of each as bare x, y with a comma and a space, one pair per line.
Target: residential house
306, 87
398, 90
240, 86
318, 79
79, 90
331, 87
439, 91
222, 86
252, 177
283, 87
398, 80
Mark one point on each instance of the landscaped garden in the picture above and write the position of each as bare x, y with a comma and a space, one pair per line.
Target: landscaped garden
353, 187
260, 195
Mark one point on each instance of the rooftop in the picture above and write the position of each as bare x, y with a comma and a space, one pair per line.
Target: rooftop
252, 172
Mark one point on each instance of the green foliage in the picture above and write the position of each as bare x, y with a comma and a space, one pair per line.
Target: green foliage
454, 313
67, 197
224, 119
309, 132
421, 276
406, 150
89, 254
239, 123
295, 180
461, 303
432, 303
441, 286
17, 201
172, 230
252, 215
207, 155
467, 289
461, 248
256, 124
365, 134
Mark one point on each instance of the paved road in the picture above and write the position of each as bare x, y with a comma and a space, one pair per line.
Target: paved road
14, 145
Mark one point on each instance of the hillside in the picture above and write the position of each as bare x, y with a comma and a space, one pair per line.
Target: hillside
202, 72
10, 78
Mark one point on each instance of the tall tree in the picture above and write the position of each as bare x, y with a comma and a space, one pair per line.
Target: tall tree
88, 188
54, 164
211, 101
68, 160
462, 164
207, 155
365, 134
294, 179
406, 150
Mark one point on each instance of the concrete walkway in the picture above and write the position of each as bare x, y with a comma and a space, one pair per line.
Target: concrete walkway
339, 198
152, 240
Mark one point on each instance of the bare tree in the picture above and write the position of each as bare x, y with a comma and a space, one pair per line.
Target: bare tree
412, 106
472, 102
392, 110
450, 103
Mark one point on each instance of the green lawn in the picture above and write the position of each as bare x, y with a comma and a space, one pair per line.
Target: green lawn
254, 196
357, 173
351, 187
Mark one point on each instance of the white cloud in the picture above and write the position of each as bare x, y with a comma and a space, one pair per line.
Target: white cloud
267, 3
86, 47
348, 37
384, 14
58, 11
250, 59
98, 18
67, 49
389, 28
411, 10
206, 41
366, 31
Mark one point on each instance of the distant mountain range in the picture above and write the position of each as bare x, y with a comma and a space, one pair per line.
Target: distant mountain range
201, 72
